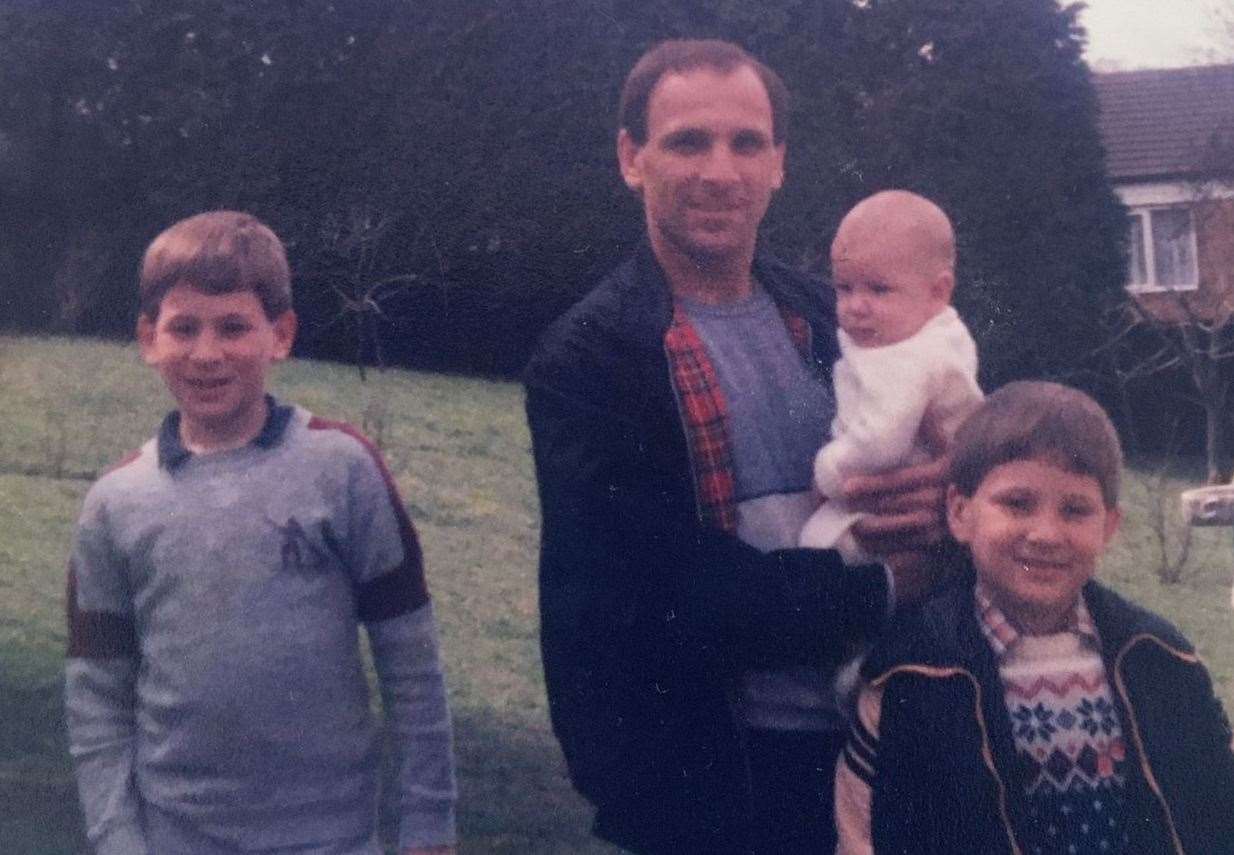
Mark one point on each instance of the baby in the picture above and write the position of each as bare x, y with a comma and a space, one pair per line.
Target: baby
906, 358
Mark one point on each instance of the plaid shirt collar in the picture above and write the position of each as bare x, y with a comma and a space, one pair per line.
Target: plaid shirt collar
1002, 636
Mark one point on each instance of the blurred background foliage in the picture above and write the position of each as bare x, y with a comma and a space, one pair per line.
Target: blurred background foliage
443, 170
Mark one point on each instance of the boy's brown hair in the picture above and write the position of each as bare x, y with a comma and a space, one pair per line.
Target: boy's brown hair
679, 56
1029, 420
218, 252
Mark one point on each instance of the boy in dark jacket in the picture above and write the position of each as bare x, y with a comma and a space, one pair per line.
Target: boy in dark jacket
1026, 708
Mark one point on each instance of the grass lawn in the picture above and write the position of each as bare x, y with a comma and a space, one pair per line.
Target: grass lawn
460, 453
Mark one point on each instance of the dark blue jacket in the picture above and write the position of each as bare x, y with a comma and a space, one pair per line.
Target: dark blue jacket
647, 615
946, 753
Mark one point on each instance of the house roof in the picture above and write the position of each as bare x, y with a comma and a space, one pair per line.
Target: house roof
1158, 124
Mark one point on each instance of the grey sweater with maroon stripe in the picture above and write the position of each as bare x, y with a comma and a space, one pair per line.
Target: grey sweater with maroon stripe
214, 663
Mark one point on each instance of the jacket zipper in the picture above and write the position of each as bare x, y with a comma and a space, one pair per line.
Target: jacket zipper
1149, 777
987, 753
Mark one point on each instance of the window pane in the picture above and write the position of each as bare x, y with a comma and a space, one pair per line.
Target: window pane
1173, 245
1137, 269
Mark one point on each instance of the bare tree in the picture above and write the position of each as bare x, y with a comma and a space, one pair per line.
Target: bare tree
353, 242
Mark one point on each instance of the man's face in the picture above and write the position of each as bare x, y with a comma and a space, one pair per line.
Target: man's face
709, 166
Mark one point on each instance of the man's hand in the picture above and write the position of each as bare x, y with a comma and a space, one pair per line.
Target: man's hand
904, 508
905, 519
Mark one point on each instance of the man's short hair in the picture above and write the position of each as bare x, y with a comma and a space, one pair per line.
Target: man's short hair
1036, 420
678, 56
218, 252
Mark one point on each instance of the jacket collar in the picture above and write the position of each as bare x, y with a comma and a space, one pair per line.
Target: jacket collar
647, 294
945, 632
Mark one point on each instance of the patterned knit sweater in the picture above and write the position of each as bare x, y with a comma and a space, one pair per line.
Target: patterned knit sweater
1068, 738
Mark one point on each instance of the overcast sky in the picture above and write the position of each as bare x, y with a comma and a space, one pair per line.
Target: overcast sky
1155, 33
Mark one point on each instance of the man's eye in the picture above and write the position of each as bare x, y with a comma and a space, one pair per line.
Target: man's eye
1017, 504
879, 288
182, 330
749, 143
687, 143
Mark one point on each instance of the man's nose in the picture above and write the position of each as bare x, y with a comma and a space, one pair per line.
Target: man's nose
720, 165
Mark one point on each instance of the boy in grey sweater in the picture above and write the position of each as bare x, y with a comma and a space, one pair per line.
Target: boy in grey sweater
215, 693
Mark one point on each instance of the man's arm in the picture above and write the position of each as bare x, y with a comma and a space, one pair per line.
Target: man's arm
100, 689
784, 607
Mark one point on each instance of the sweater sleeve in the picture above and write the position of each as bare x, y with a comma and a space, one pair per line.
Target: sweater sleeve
100, 688
393, 602
855, 776
413, 692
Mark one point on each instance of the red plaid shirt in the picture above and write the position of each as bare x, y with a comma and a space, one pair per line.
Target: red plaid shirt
704, 415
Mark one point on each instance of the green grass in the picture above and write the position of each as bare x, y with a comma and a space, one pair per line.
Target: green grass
460, 453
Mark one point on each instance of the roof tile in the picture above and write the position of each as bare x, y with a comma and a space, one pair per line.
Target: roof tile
1160, 123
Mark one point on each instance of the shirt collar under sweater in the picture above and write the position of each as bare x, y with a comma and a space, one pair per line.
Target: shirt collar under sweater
172, 451
1002, 636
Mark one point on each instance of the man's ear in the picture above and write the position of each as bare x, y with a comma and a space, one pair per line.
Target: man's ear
285, 326
958, 516
628, 152
145, 337
778, 178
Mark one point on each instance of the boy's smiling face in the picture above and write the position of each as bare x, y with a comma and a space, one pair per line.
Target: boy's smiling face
213, 352
1036, 532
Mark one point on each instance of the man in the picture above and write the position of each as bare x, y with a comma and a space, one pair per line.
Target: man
688, 648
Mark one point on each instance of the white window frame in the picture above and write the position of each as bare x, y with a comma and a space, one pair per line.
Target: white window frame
1145, 215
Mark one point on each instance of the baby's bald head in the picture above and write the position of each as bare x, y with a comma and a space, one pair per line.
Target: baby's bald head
903, 225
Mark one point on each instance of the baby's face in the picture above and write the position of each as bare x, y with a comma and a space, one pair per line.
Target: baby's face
884, 297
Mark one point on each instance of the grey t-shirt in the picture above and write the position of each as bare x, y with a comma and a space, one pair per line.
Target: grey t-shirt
779, 415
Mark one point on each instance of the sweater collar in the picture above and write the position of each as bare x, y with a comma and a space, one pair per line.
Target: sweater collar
172, 451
